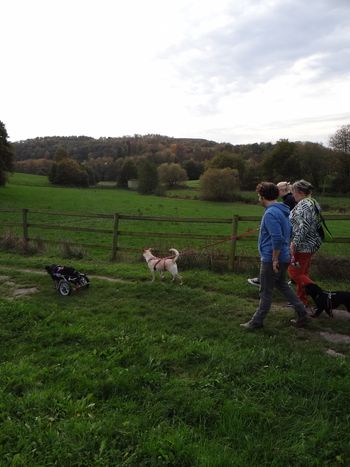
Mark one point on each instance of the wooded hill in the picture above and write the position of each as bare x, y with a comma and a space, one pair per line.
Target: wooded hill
159, 147
104, 158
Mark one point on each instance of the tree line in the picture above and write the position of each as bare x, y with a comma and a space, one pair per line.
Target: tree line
158, 161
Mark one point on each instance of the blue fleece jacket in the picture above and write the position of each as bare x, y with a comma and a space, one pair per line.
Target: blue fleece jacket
275, 233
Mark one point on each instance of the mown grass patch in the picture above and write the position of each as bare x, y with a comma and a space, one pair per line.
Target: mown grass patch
135, 373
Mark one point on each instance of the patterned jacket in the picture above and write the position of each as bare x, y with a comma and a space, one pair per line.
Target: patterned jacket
305, 221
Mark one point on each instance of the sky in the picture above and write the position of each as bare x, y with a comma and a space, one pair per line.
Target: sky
237, 71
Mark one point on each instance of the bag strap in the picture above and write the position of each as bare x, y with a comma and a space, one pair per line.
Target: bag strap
318, 212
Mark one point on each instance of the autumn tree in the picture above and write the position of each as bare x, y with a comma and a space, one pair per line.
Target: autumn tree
68, 172
34, 166
340, 142
61, 154
219, 184
6, 155
171, 174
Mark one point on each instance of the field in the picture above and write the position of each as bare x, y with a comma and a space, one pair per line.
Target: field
130, 373
34, 192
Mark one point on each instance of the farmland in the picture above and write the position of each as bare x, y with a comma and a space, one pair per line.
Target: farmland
33, 192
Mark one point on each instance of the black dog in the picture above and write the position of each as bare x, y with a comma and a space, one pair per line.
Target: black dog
327, 301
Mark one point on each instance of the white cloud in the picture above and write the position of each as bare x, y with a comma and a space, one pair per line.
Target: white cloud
241, 71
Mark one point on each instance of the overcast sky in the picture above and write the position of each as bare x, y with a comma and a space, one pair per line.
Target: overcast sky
238, 71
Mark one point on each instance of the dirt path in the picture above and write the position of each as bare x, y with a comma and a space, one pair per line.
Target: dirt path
43, 273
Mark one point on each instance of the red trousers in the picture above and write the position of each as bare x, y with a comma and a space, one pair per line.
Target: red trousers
300, 274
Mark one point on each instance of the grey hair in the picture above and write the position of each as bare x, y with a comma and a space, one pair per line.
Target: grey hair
284, 186
303, 186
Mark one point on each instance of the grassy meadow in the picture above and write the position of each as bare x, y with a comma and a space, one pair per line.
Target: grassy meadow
34, 192
134, 373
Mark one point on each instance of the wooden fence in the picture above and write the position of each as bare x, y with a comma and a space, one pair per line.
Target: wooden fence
114, 228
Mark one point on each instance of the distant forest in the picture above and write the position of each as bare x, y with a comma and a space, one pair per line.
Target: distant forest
103, 159
159, 148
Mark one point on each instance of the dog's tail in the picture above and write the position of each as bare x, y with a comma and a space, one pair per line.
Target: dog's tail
176, 253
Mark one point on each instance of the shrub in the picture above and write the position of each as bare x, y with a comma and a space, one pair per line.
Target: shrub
8, 241
69, 251
68, 172
11, 242
219, 184
171, 174
147, 177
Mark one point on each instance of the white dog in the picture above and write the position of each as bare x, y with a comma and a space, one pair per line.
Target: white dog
162, 264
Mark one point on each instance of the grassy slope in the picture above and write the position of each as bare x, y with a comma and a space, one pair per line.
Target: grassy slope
134, 373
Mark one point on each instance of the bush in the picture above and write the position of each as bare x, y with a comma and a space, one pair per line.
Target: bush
11, 242
147, 177
72, 252
219, 184
68, 172
171, 174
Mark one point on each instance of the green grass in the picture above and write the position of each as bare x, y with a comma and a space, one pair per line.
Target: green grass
130, 373
28, 180
33, 192
134, 373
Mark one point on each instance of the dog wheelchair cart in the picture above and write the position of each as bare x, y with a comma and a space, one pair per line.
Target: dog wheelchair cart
67, 279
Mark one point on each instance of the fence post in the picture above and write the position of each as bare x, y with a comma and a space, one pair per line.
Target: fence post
25, 224
115, 236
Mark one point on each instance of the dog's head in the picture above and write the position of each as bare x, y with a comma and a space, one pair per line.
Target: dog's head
313, 290
320, 298
50, 269
147, 253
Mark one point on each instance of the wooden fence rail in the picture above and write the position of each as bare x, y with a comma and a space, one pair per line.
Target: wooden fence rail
25, 224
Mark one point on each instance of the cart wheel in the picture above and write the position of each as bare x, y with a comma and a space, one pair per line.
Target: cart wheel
64, 288
84, 281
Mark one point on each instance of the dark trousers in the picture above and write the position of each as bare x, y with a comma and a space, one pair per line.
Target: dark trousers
268, 281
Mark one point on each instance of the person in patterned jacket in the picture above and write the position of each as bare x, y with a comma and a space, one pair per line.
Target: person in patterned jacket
306, 240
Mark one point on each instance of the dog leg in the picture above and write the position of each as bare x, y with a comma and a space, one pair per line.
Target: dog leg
316, 313
177, 276
153, 276
329, 312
